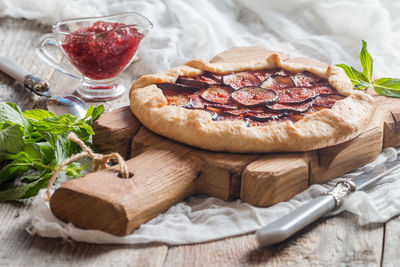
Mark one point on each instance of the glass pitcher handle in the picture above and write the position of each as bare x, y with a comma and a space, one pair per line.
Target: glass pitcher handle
42, 50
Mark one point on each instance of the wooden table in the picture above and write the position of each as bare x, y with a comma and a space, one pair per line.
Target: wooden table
337, 241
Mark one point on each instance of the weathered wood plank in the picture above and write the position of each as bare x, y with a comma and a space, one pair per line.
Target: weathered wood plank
21, 249
337, 241
391, 243
19, 46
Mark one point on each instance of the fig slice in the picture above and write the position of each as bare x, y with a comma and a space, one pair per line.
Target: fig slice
266, 116
192, 82
282, 72
219, 94
177, 87
277, 81
211, 78
327, 100
222, 106
241, 79
288, 108
244, 111
253, 96
263, 74
178, 99
305, 79
295, 95
235, 112
323, 89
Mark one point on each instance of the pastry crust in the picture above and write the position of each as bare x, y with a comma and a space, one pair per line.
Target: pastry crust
327, 127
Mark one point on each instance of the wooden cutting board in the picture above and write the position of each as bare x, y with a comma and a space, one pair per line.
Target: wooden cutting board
165, 172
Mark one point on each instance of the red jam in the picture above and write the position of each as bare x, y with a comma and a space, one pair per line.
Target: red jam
102, 50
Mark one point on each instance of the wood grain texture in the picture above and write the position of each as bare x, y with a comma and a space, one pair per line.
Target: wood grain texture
340, 159
119, 137
103, 201
274, 178
221, 172
328, 242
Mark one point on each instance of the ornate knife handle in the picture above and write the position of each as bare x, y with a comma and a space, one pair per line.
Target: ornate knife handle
14, 70
341, 191
36, 85
296, 220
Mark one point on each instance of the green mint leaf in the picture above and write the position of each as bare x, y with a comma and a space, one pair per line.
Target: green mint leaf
38, 114
83, 126
89, 112
12, 113
366, 62
47, 152
24, 190
57, 125
97, 112
34, 151
74, 169
33, 144
352, 73
11, 138
357, 78
387, 87
20, 164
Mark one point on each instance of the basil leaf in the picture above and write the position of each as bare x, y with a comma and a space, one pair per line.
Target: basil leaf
366, 62
11, 138
38, 114
387, 87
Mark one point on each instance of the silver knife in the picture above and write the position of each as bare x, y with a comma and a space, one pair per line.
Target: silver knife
33, 83
56, 104
289, 224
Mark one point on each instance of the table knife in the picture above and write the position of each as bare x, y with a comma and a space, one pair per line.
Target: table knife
33, 83
289, 224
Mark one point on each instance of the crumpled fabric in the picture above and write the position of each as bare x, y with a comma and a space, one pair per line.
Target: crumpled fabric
330, 31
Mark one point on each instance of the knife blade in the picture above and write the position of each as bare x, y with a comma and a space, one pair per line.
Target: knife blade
289, 224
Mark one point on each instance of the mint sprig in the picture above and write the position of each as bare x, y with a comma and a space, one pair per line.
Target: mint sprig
34, 143
363, 80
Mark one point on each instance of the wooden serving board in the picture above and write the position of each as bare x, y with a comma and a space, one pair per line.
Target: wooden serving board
165, 172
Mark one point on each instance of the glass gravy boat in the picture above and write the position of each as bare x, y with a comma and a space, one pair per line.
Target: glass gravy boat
99, 49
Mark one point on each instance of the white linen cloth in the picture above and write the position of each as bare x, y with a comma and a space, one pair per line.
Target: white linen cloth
330, 31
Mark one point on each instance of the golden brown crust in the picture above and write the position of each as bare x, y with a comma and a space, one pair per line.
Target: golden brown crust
324, 128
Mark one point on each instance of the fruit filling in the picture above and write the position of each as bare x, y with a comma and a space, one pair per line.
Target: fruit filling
256, 97
102, 50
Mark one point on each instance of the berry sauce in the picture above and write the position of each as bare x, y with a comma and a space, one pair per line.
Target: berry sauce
102, 50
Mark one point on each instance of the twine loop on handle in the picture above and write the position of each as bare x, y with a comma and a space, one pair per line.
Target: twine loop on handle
99, 161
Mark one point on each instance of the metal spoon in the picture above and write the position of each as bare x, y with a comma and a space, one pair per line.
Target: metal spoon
57, 104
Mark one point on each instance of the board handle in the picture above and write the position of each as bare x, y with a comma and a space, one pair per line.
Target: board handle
104, 201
